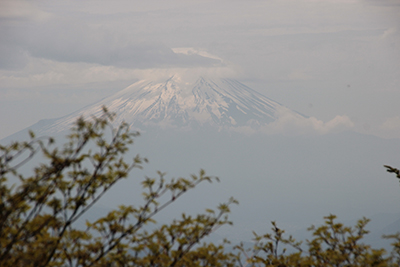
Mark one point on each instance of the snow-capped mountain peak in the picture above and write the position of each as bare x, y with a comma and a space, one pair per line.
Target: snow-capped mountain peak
177, 102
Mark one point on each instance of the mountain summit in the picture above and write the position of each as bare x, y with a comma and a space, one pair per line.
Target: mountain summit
175, 102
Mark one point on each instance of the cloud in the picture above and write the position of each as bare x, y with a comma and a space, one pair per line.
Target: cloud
291, 123
382, 2
44, 73
389, 32
140, 55
392, 123
189, 75
85, 40
390, 128
21, 10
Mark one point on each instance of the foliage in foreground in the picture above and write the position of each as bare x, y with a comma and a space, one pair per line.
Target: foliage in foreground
38, 214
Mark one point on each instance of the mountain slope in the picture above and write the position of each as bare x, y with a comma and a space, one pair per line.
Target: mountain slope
175, 102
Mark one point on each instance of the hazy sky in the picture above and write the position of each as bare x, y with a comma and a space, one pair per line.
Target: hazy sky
322, 58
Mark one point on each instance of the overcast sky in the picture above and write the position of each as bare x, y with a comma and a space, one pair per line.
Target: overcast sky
322, 58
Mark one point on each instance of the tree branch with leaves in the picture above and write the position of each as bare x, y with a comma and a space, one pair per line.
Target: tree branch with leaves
38, 212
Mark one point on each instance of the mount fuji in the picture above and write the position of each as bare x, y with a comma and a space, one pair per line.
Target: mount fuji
180, 103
